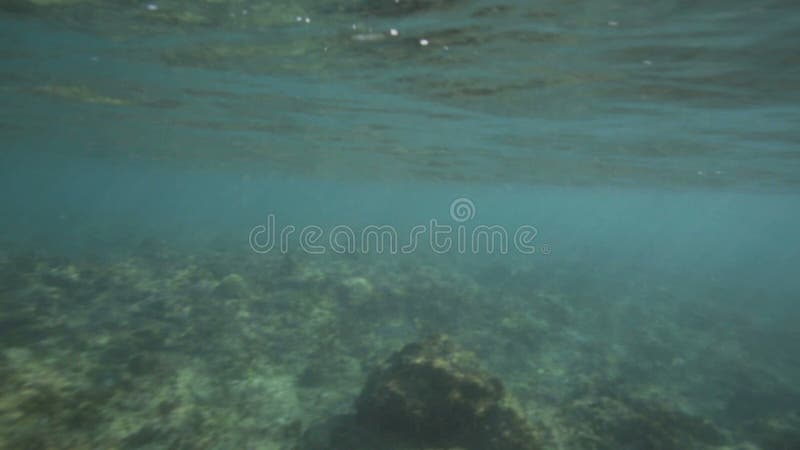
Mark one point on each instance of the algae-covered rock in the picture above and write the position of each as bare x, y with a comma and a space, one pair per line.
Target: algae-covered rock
232, 286
430, 395
356, 290
63, 277
614, 420
436, 394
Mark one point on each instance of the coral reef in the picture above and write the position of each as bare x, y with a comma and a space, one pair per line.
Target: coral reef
216, 349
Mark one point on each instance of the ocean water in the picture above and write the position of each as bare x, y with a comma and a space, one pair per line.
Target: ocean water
220, 216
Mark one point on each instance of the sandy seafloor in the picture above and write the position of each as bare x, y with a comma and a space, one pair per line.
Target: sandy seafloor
162, 349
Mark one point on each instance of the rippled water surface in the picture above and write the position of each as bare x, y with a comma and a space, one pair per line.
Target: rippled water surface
662, 93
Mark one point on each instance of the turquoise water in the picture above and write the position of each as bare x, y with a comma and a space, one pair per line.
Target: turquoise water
654, 148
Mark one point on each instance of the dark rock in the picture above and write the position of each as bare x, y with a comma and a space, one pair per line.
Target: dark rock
435, 394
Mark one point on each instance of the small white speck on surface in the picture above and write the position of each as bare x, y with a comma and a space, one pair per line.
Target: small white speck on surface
308, 19
647, 62
152, 7
613, 23
393, 32
423, 42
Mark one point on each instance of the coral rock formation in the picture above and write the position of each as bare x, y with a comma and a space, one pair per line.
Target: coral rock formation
435, 394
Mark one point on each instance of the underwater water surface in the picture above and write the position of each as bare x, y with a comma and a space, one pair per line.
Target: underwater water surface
222, 220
